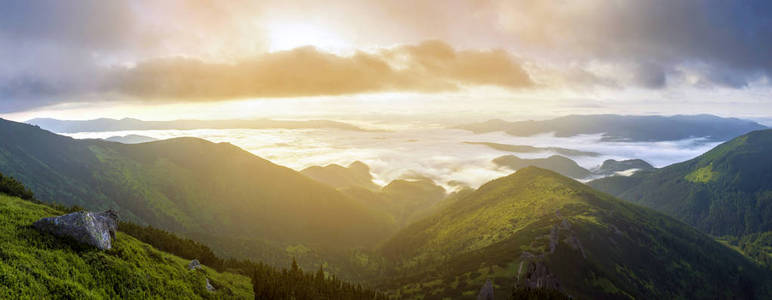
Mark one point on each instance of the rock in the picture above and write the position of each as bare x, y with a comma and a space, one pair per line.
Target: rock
553, 238
537, 275
575, 244
194, 264
95, 229
209, 286
486, 292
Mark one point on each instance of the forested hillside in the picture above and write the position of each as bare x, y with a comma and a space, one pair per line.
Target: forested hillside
536, 228
33, 264
217, 193
726, 191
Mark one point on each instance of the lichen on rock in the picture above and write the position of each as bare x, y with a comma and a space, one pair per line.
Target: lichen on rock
95, 229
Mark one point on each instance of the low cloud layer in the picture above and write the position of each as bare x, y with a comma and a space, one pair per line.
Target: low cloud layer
439, 154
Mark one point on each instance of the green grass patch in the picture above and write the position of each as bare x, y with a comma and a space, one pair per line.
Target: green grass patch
702, 175
41, 266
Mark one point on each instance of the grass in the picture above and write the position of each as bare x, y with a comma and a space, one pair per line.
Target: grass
604, 248
703, 175
42, 266
725, 191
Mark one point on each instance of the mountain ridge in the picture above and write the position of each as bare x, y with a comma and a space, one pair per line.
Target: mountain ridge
625, 127
106, 124
194, 188
587, 243
727, 190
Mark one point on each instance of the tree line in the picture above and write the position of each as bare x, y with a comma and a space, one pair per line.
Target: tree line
268, 282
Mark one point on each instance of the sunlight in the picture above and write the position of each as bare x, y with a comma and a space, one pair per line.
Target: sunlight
290, 35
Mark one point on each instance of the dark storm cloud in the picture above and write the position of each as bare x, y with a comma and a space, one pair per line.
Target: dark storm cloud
730, 36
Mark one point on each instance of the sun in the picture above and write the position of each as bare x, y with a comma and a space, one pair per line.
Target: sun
290, 35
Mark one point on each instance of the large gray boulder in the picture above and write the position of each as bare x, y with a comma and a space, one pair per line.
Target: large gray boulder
95, 229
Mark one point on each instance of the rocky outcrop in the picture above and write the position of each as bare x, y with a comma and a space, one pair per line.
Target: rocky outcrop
553, 238
209, 286
194, 264
95, 229
538, 275
486, 292
575, 244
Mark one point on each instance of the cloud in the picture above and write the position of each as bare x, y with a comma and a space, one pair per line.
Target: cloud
650, 75
89, 23
439, 154
733, 37
55, 51
432, 66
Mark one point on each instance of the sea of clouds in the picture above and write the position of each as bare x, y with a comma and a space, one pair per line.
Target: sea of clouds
428, 151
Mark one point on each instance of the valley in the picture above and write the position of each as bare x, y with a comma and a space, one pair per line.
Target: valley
413, 238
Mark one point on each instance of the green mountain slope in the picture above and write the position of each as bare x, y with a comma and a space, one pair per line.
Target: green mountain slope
217, 193
41, 266
536, 227
726, 191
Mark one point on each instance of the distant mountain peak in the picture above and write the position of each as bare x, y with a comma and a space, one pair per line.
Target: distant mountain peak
626, 127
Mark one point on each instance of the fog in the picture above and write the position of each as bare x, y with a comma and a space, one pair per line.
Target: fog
430, 151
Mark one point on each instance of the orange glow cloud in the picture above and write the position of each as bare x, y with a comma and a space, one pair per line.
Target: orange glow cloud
431, 66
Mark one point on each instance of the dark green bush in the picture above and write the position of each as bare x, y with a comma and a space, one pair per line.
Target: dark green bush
12, 187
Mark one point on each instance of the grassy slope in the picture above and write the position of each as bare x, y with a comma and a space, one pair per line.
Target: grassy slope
37, 265
219, 194
726, 191
625, 250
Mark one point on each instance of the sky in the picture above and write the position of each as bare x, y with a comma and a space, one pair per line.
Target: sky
83, 59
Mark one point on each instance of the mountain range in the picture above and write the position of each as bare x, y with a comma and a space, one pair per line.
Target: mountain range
131, 139
403, 200
104, 124
241, 204
534, 231
568, 167
538, 229
357, 174
626, 128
